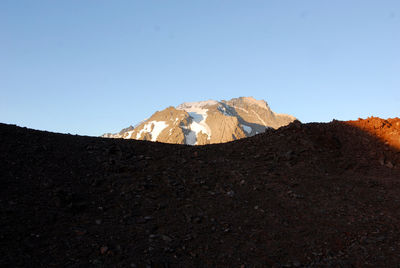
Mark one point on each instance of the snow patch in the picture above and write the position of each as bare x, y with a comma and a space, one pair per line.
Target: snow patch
191, 138
129, 134
198, 114
193, 130
157, 126
247, 129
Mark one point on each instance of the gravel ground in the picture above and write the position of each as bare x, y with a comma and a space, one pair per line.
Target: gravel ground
305, 195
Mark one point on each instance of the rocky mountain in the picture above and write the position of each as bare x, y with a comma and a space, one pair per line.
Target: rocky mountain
206, 122
124, 133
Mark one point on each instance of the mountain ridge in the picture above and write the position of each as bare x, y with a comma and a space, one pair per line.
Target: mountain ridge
207, 122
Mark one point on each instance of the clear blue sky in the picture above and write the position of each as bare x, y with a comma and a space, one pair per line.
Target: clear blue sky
88, 67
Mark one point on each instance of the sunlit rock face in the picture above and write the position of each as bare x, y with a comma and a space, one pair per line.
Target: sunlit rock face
207, 122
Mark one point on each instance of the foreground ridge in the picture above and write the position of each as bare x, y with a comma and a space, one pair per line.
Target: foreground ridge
305, 195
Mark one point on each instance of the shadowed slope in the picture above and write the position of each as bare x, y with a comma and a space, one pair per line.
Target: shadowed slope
302, 195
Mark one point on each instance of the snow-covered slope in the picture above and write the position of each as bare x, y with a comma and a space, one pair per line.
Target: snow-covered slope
205, 122
198, 113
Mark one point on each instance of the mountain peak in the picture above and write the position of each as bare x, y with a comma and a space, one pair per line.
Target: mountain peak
206, 122
198, 104
250, 100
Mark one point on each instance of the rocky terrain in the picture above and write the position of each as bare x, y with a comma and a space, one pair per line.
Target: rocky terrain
207, 122
304, 195
122, 134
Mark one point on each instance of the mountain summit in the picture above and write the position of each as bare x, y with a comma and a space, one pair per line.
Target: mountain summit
206, 122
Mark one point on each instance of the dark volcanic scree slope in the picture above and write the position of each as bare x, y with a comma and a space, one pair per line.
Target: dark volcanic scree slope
304, 195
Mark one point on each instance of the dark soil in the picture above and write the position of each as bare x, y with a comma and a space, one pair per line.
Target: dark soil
306, 195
